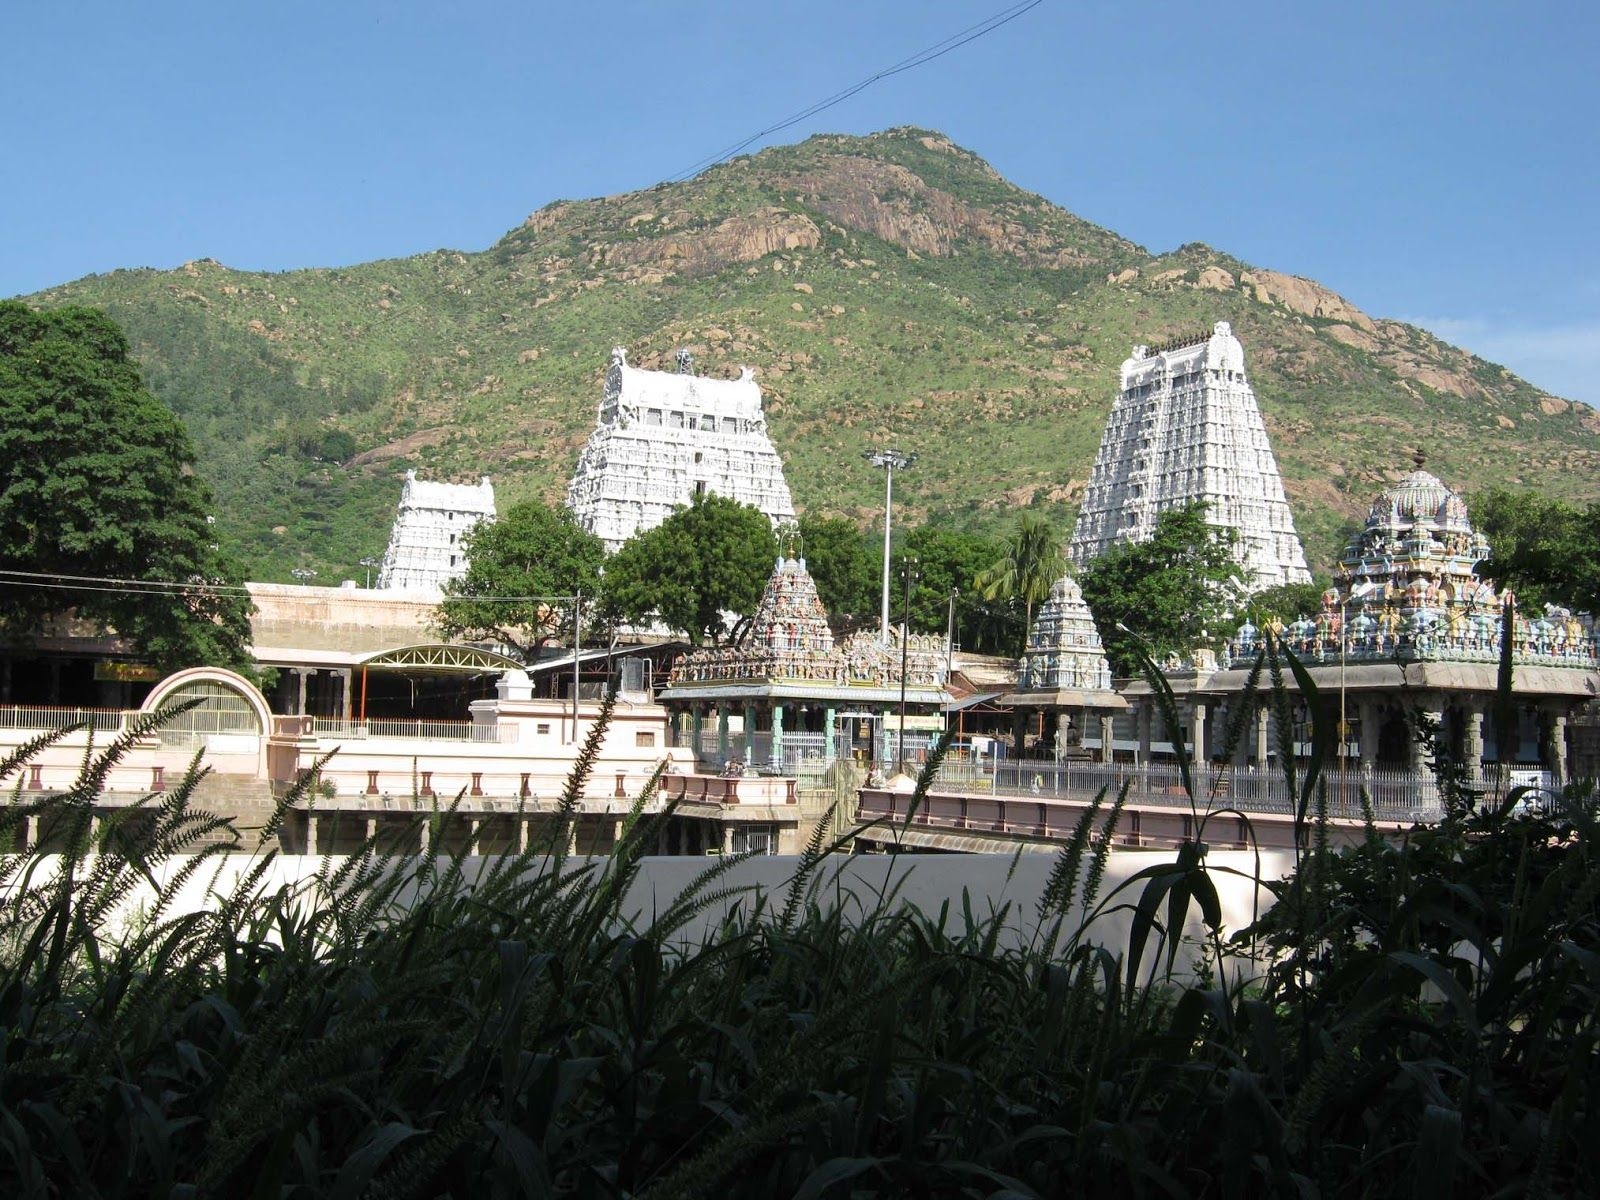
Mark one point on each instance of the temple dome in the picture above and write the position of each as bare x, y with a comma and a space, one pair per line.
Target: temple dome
1064, 649
790, 615
1420, 498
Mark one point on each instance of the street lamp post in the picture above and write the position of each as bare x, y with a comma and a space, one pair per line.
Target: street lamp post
890, 461
910, 567
303, 574
369, 563
950, 633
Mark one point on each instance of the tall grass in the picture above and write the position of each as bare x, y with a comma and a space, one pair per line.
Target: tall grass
1413, 1017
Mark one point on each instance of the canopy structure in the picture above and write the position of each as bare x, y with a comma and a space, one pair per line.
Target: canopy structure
439, 658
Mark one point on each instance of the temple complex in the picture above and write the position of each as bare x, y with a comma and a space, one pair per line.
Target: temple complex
425, 550
1064, 678
661, 438
1186, 427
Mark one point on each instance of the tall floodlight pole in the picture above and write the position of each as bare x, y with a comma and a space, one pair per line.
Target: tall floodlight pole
905, 643
369, 563
890, 461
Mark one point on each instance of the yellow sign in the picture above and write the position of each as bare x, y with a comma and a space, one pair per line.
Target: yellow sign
126, 672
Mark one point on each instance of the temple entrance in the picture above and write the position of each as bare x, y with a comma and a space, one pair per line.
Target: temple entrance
1394, 740
855, 734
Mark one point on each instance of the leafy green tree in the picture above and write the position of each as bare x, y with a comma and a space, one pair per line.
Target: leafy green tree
1175, 590
844, 567
521, 572
1287, 601
1030, 562
705, 560
948, 560
97, 483
1545, 549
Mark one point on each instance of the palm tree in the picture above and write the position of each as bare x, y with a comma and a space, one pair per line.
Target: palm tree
1030, 566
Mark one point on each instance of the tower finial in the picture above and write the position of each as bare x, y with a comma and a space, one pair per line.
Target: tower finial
1419, 456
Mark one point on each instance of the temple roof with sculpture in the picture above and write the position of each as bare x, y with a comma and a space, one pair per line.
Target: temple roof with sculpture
1064, 659
790, 645
1407, 587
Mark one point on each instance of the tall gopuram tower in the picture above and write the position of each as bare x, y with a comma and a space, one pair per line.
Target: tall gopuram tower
1186, 427
425, 550
661, 438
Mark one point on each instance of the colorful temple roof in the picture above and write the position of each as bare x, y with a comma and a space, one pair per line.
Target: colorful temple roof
1407, 587
1064, 649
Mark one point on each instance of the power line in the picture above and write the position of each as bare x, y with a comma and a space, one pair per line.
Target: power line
938, 50
101, 583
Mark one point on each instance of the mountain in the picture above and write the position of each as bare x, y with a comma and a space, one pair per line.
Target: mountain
884, 288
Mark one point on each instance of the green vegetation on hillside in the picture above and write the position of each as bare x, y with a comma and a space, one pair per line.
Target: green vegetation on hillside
891, 287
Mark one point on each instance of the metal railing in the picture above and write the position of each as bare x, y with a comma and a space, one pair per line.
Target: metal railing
30, 716
1395, 794
405, 727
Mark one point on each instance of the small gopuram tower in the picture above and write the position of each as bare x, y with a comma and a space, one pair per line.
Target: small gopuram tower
1064, 682
663, 437
1186, 427
425, 550
802, 698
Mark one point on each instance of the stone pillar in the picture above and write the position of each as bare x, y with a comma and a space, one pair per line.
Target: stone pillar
1370, 714
311, 833
830, 748
696, 723
472, 836
1472, 742
425, 836
722, 735
344, 693
1263, 740
1108, 738
1419, 758
777, 733
750, 732
300, 674
1557, 758
1198, 731
1144, 715
369, 833
522, 833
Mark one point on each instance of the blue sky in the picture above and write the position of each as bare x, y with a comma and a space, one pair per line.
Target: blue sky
1433, 162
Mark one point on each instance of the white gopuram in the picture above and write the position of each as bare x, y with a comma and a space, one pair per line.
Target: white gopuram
662, 437
1064, 651
1186, 427
425, 546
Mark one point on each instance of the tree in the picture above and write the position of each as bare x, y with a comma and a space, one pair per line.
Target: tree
1547, 550
710, 558
951, 559
1287, 602
1175, 590
97, 484
1030, 564
521, 571
843, 566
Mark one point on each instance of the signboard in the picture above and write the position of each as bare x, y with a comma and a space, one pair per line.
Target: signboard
125, 672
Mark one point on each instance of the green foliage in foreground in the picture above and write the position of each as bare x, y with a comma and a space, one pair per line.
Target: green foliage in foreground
398, 1028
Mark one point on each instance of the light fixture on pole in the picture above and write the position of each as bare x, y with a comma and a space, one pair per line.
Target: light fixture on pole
889, 461
369, 563
910, 569
950, 633
303, 574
